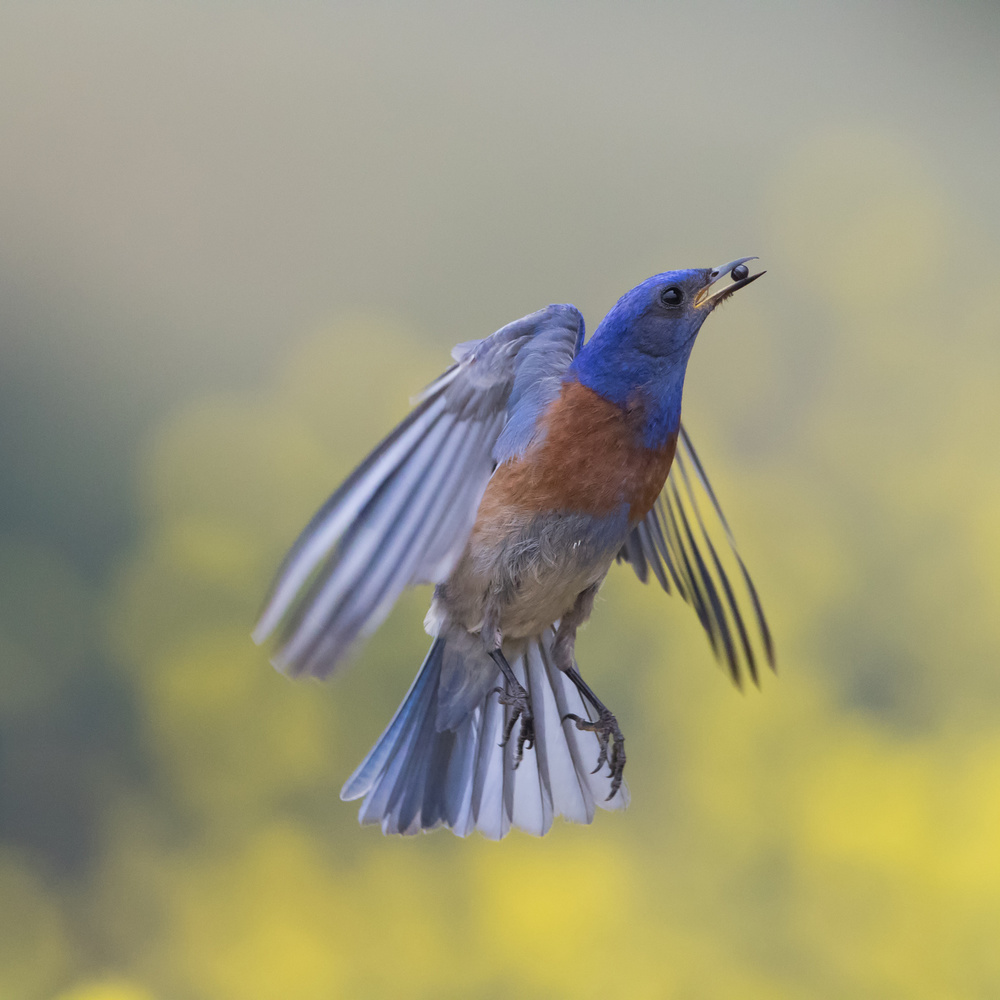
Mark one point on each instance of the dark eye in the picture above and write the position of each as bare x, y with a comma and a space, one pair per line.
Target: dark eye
671, 296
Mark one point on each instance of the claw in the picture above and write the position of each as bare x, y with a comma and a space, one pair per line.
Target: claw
611, 743
518, 701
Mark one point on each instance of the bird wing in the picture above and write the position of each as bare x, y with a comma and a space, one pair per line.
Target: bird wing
404, 515
687, 543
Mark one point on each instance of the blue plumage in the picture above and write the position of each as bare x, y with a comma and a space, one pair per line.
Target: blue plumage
639, 352
540, 370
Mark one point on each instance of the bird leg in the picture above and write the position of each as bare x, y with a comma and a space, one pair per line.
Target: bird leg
565, 644
516, 697
605, 728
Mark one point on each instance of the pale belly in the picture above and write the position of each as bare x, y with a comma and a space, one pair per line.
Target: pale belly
521, 576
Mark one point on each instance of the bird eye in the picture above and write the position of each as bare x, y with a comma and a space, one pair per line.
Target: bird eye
740, 272
671, 296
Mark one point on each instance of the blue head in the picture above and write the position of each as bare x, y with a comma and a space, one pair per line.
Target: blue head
638, 355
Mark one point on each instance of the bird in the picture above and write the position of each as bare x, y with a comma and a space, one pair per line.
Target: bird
531, 466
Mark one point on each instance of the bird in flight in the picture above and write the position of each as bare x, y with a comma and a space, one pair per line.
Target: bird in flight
534, 463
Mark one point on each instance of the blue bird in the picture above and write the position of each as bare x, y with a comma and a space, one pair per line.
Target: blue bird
524, 472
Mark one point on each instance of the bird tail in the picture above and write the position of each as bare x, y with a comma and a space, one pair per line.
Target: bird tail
431, 769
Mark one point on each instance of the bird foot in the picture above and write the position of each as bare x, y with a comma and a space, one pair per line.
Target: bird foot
611, 742
518, 701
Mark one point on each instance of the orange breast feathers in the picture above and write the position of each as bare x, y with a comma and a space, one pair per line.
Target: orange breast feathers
590, 460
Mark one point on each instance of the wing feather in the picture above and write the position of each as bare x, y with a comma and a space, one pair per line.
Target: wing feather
404, 515
686, 541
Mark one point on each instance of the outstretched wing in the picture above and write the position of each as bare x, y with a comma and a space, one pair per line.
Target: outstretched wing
404, 515
687, 543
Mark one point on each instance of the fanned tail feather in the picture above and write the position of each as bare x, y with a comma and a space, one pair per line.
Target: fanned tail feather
418, 778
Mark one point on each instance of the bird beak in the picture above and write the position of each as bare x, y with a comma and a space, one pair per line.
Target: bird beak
704, 300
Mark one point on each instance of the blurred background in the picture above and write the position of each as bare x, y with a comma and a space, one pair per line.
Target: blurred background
235, 238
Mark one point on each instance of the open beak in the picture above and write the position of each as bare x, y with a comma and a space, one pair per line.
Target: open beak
706, 299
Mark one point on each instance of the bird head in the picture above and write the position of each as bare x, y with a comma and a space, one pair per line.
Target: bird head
661, 317
640, 350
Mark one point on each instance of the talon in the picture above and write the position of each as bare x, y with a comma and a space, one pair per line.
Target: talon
585, 724
518, 701
611, 744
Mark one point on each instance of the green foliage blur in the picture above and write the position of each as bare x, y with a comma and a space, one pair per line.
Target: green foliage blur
170, 827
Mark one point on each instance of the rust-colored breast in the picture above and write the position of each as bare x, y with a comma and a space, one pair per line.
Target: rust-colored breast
591, 460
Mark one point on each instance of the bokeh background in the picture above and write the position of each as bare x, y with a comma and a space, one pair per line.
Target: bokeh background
236, 237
